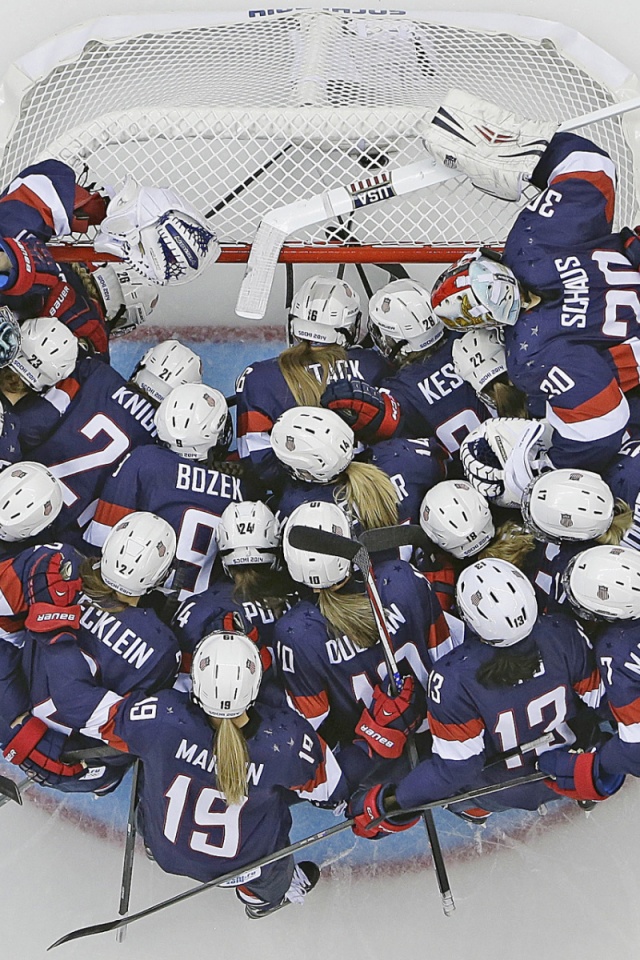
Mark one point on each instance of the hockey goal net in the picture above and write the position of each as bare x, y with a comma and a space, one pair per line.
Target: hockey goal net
244, 114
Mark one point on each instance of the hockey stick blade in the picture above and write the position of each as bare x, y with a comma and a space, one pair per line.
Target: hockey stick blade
388, 538
321, 541
10, 789
286, 851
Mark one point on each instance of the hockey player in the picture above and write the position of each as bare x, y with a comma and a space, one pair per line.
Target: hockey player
10, 450
163, 367
30, 503
81, 656
516, 676
480, 358
323, 333
425, 396
220, 771
382, 487
603, 585
329, 652
184, 480
623, 477
568, 289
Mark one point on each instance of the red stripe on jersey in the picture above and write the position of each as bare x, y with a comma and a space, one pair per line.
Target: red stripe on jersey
598, 406
312, 707
626, 365
24, 195
592, 682
110, 513
455, 731
12, 587
598, 179
310, 785
253, 422
627, 714
107, 731
69, 385
438, 632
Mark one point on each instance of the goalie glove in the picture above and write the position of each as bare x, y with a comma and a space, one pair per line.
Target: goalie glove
482, 468
495, 149
157, 233
521, 447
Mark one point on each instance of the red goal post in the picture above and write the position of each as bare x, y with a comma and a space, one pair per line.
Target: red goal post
243, 114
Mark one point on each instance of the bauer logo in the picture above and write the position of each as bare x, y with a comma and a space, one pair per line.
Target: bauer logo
371, 190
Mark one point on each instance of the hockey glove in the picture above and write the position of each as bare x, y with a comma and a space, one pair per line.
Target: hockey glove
52, 587
371, 414
36, 749
482, 467
578, 775
368, 805
386, 726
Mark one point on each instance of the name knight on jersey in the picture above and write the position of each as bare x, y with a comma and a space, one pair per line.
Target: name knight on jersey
139, 408
575, 300
211, 482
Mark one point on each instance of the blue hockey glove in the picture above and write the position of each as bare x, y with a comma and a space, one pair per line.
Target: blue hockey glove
371, 414
578, 775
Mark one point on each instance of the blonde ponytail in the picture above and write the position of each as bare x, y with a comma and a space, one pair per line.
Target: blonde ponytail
232, 759
294, 366
368, 490
622, 520
511, 543
349, 614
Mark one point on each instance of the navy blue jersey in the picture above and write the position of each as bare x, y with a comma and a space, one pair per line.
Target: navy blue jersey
262, 394
471, 723
574, 353
617, 651
10, 449
435, 401
623, 477
102, 420
75, 681
186, 494
330, 680
188, 825
545, 565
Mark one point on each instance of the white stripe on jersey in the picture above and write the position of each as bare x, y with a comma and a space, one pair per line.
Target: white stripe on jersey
629, 732
595, 428
459, 749
589, 162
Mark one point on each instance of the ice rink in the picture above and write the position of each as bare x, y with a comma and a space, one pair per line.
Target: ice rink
563, 885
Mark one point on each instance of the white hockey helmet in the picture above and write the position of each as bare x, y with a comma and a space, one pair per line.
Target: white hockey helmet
249, 532
225, 673
477, 291
497, 601
603, 583
167, 365
457, 518
317, 570
48, 353
137, 554
314, 444
479, 357
193, 420
568, 505
30, 500
325, 310
127, 296
401, 320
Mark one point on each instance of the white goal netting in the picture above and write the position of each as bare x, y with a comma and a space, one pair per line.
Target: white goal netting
317, 98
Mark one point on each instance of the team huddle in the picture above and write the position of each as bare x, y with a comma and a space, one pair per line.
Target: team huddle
156, 595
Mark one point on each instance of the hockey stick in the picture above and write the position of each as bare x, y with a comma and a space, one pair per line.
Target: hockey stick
287, 851
279, 223
10, 790
221, 204
402, 535
129, 851
307, 538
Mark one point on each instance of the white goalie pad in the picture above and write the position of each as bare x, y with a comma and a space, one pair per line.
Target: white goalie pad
495, 149
521, 447
158, 233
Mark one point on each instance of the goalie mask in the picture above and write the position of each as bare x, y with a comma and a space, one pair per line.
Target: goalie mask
497, 601
568, 505
128, 298
137, 554
479, 357
317, 570
603, 583
9, 336
167, 365
401, 320
194, 421
48, 353
476, 292
248, 533
30, 500
225, 674
315, 445
325, 310
457, 518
